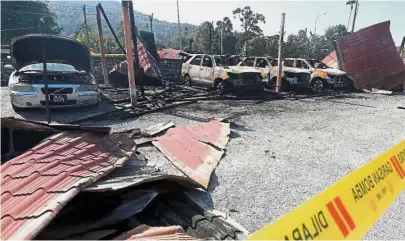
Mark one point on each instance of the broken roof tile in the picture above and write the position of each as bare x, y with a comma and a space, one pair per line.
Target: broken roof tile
37, 184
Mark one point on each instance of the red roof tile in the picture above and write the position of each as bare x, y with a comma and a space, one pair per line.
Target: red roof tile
38, 183
196, 149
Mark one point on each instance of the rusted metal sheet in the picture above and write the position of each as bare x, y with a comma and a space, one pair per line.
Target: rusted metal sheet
145, 232
331, 60
195, 149
371, 58
37, 184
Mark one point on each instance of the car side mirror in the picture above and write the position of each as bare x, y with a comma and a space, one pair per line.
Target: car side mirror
8, 67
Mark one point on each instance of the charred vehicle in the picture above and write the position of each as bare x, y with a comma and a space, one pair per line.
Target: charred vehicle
67, 69
209, 71
322, 76
268, 67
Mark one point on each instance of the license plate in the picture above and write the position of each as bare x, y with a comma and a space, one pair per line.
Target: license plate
58, 98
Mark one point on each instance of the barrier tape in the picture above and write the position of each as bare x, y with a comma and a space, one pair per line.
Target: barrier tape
347, 209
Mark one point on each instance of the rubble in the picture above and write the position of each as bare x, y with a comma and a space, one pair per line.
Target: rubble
49, 191
38, 184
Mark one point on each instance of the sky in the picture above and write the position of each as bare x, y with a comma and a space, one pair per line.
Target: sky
299, 14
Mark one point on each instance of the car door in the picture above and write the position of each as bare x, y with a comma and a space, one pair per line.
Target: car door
207, 71
194, 69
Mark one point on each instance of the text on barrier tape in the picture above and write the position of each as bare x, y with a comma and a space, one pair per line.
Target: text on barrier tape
347, 209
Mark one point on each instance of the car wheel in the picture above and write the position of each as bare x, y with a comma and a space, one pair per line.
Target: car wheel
223, 87
187, 80
318, 85
16, 108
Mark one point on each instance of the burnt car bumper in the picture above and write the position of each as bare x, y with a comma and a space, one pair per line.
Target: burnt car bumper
60, 96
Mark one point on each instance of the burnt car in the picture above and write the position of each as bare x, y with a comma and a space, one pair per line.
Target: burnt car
68, 73
268, 67
322, 76
209, 71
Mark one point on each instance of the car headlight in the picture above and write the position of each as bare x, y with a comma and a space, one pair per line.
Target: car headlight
87, 88
22, 88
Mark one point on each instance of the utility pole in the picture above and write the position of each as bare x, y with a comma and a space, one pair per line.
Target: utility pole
356, 8
151, 20
210, 34
280, 59
401, 48
222, 38
101, 40
178, 20
129, 52
87, 27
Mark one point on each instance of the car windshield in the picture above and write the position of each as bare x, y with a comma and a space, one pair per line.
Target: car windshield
318, 64
51, 67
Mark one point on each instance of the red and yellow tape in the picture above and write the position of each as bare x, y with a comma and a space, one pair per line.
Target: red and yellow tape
347, 209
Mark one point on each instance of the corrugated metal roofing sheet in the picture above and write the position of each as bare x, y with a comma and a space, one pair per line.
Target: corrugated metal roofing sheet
169, 54
371, 58
331, 60
134, 173
195, 149
37, 184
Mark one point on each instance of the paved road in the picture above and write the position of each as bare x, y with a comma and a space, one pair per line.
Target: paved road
289, 150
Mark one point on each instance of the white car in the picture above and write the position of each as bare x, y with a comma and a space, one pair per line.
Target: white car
68, 73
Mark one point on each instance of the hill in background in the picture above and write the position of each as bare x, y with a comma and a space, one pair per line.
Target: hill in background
70, 16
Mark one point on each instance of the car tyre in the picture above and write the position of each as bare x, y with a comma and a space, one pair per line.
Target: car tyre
223, 87
318, 85
16, 108
187, 80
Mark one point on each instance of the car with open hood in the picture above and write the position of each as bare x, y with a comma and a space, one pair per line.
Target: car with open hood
67, 72
322, 76
209, 71
268, 67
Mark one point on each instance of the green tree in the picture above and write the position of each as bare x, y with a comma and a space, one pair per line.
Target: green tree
202, 38
250, 25
25, 17
249, 20
256, 46
93, 43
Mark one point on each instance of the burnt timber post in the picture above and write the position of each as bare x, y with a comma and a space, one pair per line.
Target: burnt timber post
102, 52
129, 52
280, 58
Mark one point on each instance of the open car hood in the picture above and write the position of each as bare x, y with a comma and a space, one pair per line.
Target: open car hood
26, 50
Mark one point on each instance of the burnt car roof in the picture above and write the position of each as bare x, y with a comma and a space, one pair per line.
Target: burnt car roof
27, 49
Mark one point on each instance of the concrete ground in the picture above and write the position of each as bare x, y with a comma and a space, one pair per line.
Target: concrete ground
286, 151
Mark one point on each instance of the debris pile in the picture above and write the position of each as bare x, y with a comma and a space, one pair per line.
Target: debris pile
87, 183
